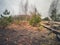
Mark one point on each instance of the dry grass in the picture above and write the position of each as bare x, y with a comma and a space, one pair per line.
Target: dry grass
22, 25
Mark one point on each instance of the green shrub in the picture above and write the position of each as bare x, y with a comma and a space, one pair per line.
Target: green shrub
4, 20
35, 20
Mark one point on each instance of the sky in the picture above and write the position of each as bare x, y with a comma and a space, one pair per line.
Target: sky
15, 6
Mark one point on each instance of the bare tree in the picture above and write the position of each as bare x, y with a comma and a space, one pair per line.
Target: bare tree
24, 7
34, 10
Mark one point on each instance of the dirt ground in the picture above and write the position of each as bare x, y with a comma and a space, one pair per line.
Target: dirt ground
25, 34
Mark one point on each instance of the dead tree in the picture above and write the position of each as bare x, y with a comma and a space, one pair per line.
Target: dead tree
24, 7
34, 10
